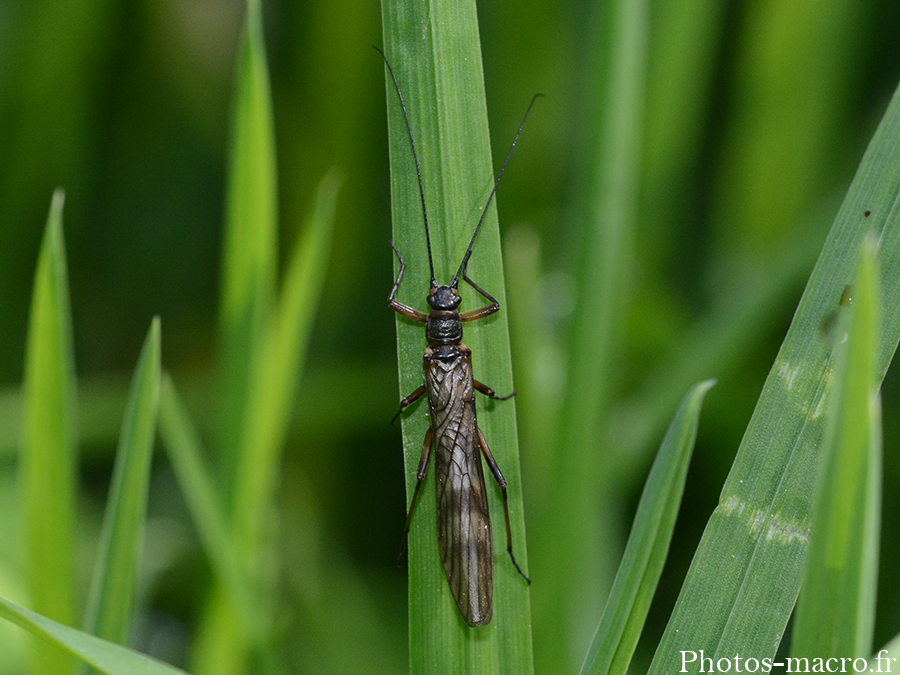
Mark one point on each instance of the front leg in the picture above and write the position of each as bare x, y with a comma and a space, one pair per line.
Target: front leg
399, 307
482, 312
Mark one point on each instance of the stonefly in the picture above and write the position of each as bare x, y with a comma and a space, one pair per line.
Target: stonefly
464, 525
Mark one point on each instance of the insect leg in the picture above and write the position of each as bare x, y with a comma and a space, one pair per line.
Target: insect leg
501, 481
487, 391
474, 314
420, 476
399, 307
409, 400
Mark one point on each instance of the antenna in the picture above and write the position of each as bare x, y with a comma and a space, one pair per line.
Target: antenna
418, 170
465, 261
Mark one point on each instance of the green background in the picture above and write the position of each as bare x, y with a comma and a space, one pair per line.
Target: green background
756, 118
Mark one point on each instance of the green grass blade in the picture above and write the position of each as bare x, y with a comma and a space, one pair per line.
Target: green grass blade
48, 458
105, 656
745, 576
836, 609
570, 503
248, 297
435, 51
185, 451
249, 259
274, 375
112, 594
648, 545
274, 383
277, 371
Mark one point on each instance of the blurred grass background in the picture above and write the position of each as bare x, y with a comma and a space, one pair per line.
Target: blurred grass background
756, 118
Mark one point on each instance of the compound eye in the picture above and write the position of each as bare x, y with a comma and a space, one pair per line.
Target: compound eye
454, 299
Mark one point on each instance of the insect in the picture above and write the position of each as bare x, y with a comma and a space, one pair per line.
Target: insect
464, 525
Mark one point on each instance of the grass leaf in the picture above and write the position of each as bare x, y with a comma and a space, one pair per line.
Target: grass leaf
48, 458
435, 51
112, 595
745, 576
250, 253
648, 545
182, 441
249, 270
836, 609
276, 372
105, 656
569, 504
